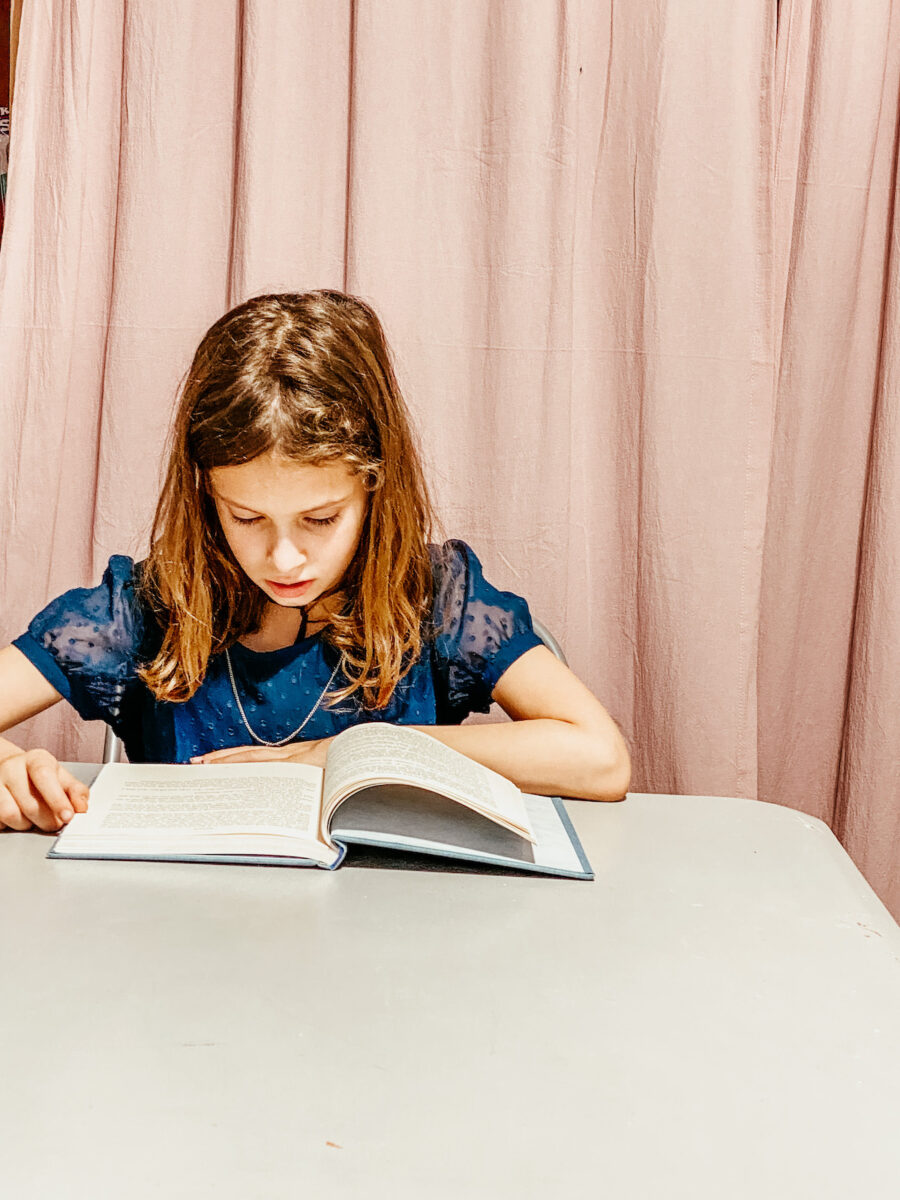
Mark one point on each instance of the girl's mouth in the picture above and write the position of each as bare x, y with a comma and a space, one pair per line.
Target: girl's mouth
289, 589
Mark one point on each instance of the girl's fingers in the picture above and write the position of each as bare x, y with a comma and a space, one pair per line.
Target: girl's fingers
32, 792
22, 793
77, 791
46, 788
45, 819
11, 816
241, 754
32, 783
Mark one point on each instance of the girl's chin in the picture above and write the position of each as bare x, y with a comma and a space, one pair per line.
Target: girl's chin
298, 601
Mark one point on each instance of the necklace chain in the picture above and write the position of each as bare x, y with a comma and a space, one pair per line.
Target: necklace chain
290, 737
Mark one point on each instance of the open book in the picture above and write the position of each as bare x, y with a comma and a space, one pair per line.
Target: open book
384, 786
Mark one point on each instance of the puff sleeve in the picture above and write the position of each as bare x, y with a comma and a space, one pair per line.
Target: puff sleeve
479, 630
85, 642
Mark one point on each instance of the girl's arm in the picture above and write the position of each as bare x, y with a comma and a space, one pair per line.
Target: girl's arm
34, 788
561, 739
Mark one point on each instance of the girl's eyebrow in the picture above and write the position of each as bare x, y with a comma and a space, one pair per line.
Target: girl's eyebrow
304, 513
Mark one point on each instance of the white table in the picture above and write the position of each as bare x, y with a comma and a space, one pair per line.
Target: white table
718, 1015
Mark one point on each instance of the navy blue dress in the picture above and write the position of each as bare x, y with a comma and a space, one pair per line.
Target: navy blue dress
89, 641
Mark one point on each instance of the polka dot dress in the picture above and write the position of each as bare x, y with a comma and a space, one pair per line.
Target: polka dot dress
88, 642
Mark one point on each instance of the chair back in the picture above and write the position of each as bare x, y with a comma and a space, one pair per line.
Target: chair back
112, 746
548, 639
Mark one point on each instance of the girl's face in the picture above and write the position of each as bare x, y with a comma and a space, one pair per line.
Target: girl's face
293, 527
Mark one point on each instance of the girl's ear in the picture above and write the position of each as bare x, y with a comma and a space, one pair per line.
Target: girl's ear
373, 478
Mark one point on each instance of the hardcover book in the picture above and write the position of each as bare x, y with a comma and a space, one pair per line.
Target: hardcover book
384, 787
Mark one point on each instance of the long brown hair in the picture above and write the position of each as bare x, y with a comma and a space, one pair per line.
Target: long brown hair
307, 376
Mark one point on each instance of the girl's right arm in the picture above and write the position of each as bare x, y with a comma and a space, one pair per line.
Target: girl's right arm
34, 788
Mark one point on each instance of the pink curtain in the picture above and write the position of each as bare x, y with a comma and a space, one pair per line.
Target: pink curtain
634, 260
828, 700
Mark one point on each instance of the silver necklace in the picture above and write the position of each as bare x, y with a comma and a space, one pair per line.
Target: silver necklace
290, 737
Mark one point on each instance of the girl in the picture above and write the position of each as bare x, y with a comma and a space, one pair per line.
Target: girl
290, 590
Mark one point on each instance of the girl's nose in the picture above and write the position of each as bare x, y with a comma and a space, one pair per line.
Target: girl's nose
286, 556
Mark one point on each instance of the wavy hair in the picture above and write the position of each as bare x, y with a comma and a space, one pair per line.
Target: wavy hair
307, 376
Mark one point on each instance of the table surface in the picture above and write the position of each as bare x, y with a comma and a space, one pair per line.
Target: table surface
718, 1014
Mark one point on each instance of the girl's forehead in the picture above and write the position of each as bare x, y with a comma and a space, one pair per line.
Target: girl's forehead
284, 483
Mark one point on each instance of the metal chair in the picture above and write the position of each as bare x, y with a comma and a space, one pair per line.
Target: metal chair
549, 640
112, 746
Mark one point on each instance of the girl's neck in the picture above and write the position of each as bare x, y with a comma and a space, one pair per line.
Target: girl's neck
280, 627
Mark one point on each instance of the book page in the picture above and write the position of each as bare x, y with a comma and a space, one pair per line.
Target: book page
402, 814
137, 799
380, 753
553, 846
395, 817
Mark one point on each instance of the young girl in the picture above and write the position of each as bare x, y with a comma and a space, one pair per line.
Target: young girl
290, 590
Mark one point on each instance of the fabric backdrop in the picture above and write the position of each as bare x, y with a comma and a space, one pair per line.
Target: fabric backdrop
637, 265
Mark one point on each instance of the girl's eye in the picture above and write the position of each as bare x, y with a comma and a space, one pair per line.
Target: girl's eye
315, 522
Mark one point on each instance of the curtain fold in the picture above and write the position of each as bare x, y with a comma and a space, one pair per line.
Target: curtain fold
632, 260
867, 816
838, 82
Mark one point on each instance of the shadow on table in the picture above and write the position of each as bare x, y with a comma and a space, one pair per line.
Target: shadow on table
404, 860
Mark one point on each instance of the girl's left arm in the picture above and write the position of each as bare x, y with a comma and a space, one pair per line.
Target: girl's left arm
561, 740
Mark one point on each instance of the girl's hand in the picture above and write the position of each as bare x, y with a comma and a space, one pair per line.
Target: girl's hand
314, 752
36, 790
